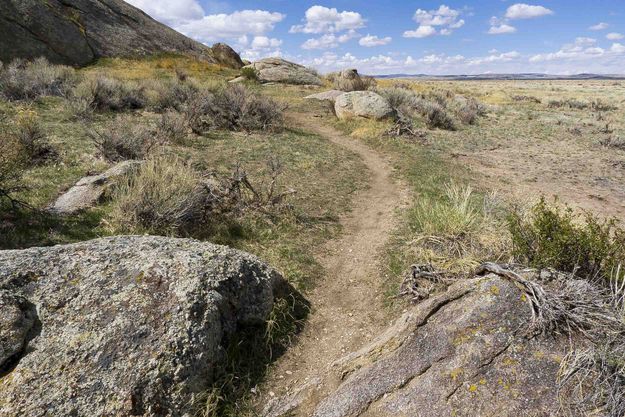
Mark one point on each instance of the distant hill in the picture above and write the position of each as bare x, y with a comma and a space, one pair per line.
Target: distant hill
76, 32
521, 76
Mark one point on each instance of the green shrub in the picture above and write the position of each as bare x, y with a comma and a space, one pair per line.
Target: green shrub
249, 73
23, 80
165, 95
172, 128
550, 236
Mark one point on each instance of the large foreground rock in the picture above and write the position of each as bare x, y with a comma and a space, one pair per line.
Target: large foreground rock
364, 104
122, 326
278, 70
90, 190
462, 353
76, 32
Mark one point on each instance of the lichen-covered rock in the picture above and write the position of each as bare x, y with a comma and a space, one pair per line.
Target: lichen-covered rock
462, 353
17, 320
330, 95
129, 325
88, 191
278, 70
364, 104
76, 32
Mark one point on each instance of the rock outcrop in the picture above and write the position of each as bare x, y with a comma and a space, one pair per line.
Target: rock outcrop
365, 104
122, 326
76, 32
330, 95
90, 190
278, 70
462, 353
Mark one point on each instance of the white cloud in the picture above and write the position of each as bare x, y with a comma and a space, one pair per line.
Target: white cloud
422, 31
329, 40
583, 50
526, 11
227, 26
170, 12
614, 36
372, 40
260, 46
264, 42
501, 29
445, 17
617, 48
319, 19
599, 26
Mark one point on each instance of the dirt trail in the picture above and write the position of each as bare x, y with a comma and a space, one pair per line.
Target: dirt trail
347, 303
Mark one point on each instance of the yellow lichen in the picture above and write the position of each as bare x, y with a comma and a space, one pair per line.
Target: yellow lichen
455, 373
494, 290
472, 388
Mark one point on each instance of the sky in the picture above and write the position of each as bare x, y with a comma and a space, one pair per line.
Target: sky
412, 37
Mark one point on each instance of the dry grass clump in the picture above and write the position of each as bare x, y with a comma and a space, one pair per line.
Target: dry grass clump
108, 94
169, 197
460, 230
24, 80
234, 108
122, 139
32, 139
569, 103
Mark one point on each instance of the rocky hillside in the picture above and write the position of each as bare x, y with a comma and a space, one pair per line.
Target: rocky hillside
76, 32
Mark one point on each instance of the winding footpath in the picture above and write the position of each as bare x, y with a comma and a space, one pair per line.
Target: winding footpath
347, 303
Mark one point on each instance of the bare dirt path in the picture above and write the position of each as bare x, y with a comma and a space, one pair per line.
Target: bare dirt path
347, 303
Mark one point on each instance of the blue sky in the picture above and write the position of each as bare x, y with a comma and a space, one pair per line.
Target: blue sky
433, 37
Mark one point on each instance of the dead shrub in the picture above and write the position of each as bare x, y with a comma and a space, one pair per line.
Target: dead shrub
234, 108
23, 80
429, 107
469, 111
122, 139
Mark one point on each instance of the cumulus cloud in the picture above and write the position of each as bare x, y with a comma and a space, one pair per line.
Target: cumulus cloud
319, 19
329, 40
526, 11
170, 12
500, 29
227, 26
372, 40
444, 17
613, 36
582, 50
599, 26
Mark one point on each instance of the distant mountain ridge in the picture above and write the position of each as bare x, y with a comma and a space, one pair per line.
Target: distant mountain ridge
77, 32
519, 76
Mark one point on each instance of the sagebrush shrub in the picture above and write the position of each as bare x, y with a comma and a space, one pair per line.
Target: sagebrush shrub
122, 139
108, 94
24, 80
550, 236
165, 95
172, 127
235, 108
249, 73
